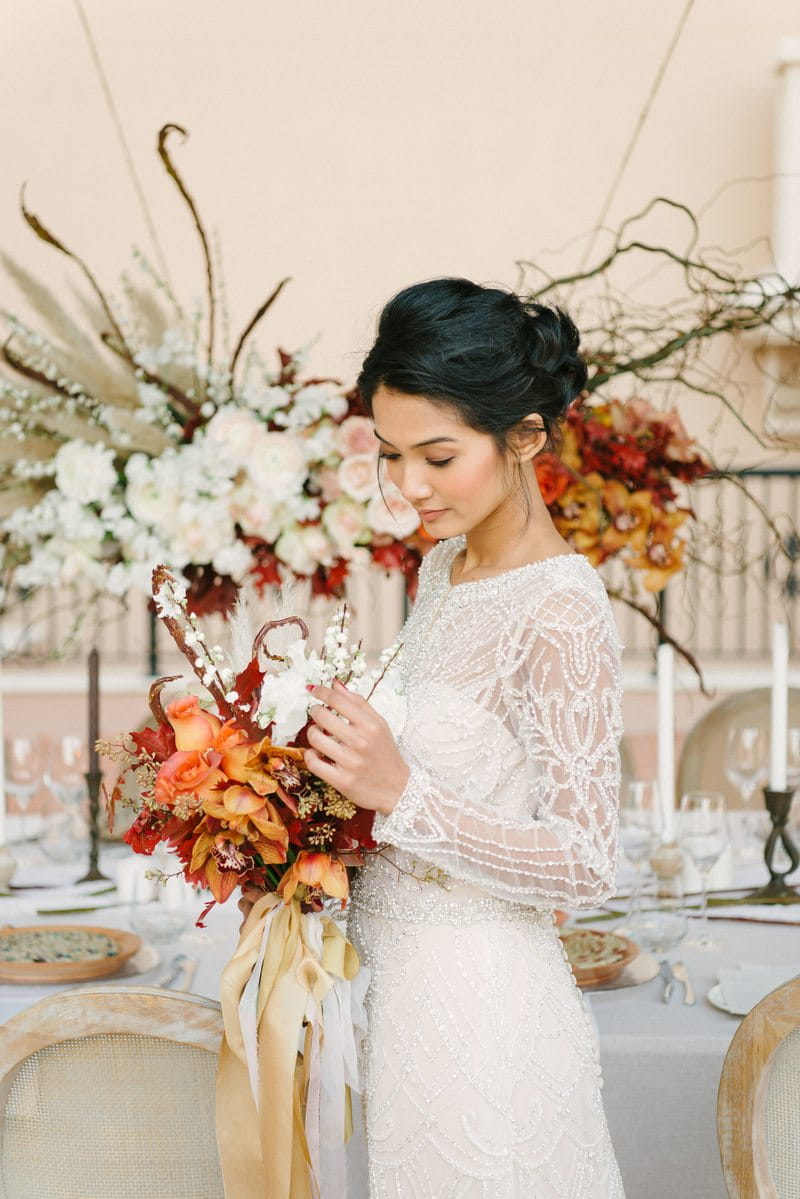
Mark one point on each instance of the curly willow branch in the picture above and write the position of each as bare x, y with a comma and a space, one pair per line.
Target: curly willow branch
169, 166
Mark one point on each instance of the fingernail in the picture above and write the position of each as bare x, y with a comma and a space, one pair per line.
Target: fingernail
309, 686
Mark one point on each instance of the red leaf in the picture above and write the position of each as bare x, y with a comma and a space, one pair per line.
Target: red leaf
248, 680
160, 742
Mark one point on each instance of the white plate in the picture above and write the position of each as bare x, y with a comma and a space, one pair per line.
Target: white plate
717, 999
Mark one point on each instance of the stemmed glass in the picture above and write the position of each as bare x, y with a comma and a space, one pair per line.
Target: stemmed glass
23, 774
703, 834
639, 833
65, 777
746, 768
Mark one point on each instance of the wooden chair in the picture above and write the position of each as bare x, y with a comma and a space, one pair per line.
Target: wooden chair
702, 762
109, 1094
758, 1106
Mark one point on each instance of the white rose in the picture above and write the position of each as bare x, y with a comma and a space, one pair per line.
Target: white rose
358, 476
202, 530
235, 430
356, 436
153, 496
234, 560
304, 549
85, 472
278, 466
345, 522
393, 514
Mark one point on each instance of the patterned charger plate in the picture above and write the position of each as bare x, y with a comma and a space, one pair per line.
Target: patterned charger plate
596, 956
45, 953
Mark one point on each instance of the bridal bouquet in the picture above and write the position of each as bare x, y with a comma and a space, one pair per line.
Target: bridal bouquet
225, 788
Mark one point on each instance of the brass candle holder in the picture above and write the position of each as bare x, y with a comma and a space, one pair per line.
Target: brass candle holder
777, 890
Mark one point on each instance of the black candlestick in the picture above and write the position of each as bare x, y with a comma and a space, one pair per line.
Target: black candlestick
93, 775
779, 805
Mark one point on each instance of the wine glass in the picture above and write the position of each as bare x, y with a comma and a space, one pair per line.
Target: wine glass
65, 777
639, 833
703, 834
746, 768
23, 775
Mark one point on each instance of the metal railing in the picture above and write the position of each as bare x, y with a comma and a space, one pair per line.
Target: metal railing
744, 573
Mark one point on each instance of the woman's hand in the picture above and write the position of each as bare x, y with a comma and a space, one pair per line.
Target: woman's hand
363, 761
250, 896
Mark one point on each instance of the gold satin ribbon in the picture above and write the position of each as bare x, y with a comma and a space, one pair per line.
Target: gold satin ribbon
264, 1153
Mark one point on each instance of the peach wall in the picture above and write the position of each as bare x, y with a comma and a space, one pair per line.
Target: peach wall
359, 145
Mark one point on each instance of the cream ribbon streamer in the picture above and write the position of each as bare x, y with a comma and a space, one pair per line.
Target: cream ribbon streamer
282, 1117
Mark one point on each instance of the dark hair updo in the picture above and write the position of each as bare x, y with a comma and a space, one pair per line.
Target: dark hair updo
485, 352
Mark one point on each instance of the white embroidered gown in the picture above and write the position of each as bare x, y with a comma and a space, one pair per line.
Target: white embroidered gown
481, 1075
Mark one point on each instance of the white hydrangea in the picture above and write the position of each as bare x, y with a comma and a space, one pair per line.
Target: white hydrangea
233, 559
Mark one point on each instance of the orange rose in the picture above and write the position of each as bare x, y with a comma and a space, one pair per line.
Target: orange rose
194, 728
187, 772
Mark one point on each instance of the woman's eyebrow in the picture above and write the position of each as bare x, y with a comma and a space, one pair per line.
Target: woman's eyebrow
419, 444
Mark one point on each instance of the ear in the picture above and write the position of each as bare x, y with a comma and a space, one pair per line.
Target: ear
530, 436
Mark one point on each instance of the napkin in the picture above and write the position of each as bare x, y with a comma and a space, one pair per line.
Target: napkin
744, 985
17, 911
764, 913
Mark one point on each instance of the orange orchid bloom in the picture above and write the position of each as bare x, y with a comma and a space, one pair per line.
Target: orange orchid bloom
194, 727
315, 870
579, 517
630, 513
663, 557
220, 858
255, 764
241, 807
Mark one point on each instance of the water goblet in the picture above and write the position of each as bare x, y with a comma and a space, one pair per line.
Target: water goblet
746, 768
65, 777
703, 834
23, 775
639, 833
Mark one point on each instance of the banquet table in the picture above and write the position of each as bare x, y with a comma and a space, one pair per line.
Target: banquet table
661, 1062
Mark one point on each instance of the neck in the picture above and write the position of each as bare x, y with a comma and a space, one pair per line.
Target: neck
508, 538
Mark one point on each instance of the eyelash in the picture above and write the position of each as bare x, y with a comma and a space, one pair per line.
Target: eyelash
394, 457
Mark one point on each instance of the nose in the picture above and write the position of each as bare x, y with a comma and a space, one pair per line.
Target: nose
412, 484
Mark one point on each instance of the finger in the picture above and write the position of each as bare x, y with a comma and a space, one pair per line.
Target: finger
343, 701
327, 771
323, 743
333, 723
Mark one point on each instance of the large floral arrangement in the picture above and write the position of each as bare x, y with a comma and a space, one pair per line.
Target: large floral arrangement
615, 487
143, 439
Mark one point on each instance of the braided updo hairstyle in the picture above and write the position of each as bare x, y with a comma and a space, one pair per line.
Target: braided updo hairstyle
482, 351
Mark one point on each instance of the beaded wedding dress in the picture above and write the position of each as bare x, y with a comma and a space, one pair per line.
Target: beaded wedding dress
481, 1077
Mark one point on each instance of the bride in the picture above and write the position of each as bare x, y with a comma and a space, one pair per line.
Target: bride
499, 802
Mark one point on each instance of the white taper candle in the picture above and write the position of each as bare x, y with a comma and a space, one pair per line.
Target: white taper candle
665, 677
779, 707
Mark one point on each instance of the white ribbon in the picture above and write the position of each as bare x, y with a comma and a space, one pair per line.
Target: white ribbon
248, 1009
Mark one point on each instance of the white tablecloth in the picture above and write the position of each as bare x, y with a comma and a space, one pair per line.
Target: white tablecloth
661, 1062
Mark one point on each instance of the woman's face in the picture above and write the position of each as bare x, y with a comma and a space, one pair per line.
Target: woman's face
452, 474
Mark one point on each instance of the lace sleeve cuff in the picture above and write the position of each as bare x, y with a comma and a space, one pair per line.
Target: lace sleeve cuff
405, 820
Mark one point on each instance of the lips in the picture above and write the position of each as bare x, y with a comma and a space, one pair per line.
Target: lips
429, 513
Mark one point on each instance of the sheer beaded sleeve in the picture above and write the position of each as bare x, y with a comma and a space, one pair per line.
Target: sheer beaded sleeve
560, 679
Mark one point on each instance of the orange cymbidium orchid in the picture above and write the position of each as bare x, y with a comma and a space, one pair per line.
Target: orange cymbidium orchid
580, 517
255, 764
223, 856
246, 812
315, 870
187, 772
663, 557
630, 513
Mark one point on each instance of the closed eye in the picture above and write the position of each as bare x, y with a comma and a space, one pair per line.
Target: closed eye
430, 461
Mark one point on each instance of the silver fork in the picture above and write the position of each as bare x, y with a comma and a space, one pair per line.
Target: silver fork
682, 974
